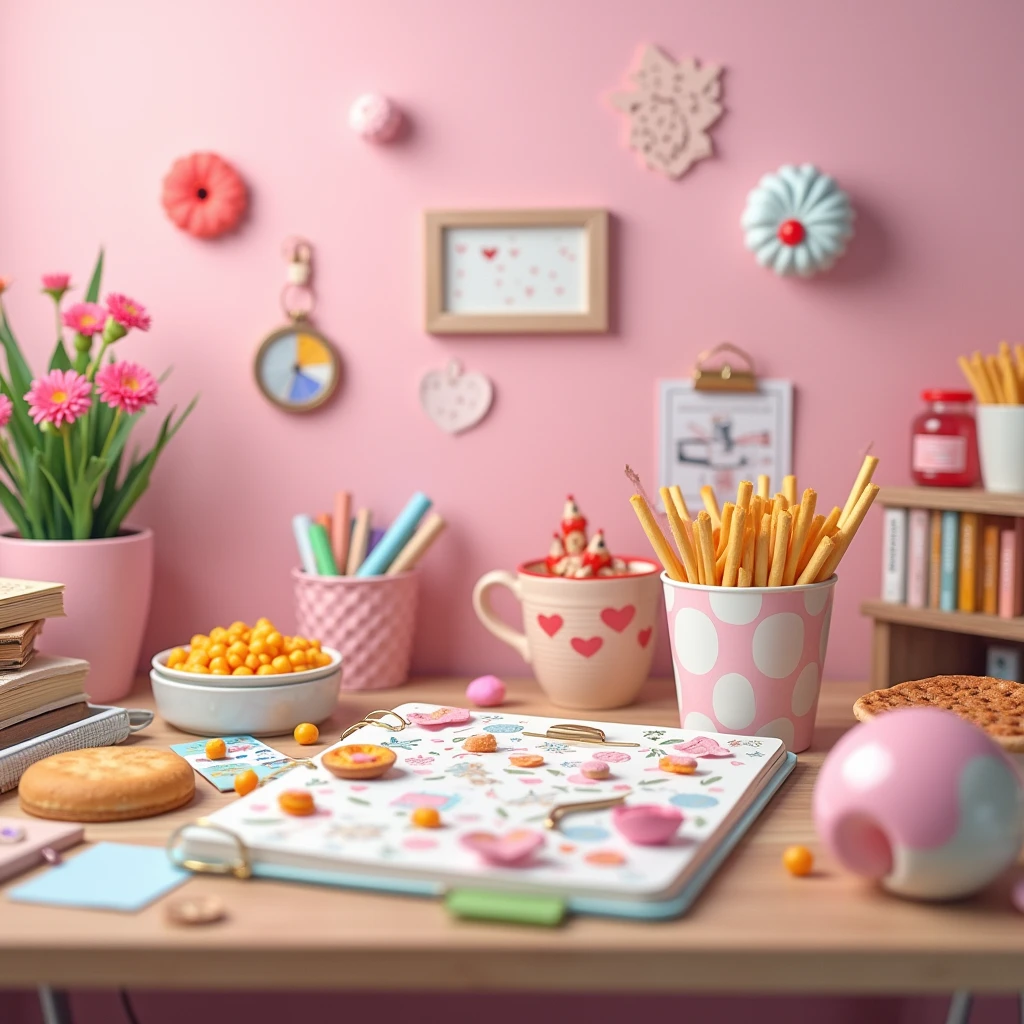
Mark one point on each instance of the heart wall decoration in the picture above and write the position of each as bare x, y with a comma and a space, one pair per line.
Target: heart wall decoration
454, 400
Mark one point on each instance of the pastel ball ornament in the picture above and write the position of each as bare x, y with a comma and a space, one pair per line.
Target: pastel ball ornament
797, 221
922, 802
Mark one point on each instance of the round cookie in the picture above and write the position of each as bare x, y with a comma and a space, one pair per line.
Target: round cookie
358, 761
106, 784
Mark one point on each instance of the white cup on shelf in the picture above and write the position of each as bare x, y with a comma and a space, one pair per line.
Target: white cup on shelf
1001, 447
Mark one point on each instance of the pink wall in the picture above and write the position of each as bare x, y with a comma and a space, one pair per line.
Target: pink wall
910, 105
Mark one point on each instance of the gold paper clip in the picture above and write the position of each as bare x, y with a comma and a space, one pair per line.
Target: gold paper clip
559, 812
241, 867
573, 733
378, 718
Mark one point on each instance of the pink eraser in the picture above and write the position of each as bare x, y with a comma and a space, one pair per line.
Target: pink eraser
375, 118
486, 692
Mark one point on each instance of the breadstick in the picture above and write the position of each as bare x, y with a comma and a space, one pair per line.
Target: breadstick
1018, 350
789, 488
734, 552
813, 536
761, 551
743, 577
743, 494
782, 501
749, 543
728, 511
818, 559
662, 549
996, 379
981, 371
977, 383
680, 502
764, 485
1011, 386
867, 470
755, 511
707, 493
702, 530
847, 532
782, 531
801, 527
776, 511
679, 533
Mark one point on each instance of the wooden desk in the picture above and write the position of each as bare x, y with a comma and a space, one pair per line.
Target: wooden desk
755, 929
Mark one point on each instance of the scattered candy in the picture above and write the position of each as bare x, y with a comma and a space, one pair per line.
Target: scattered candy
439, 717
798, 860
646, 824
11, 834
241, 650
678, 765
358, 761
306, 733
704, 746
298, 802
511, 850
483, 743
216, 749
196, 910
595, 770
605, 858
426, 817
50, 855
526, 760
246, 782
486, 692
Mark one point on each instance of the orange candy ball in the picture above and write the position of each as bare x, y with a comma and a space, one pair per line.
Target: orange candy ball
426, 817
226, 650
298, 802
798, 860
216, 749
306, 733
246, 782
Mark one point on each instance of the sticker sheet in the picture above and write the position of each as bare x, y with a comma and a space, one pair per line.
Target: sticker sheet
365, 827
243, 752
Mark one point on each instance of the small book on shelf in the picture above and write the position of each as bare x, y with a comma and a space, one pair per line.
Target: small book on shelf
28, 600
968, 578
935, 559
48, 683
1011, 570
948, 589
990, 568
894, 555
18, 644
917, 558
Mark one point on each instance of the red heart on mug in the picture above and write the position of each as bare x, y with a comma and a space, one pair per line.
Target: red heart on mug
551, 624
588, 648
644, 636
618, 618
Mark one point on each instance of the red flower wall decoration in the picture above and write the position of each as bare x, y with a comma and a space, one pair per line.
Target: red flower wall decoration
204, 195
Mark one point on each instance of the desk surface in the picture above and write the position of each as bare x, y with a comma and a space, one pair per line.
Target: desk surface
754, 929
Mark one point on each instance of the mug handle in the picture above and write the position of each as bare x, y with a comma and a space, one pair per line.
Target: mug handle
485, 613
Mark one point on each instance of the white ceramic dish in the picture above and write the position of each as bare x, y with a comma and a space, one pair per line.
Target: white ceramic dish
256, 710
159, 664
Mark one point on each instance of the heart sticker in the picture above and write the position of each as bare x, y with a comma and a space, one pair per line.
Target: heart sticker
551, 624
618, 618
644, 636
588, 648
511, 850
454, 400
489, 254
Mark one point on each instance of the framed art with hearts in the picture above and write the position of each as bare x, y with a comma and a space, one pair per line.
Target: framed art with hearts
516, 271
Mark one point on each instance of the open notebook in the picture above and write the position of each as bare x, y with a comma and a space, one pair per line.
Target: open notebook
362, 836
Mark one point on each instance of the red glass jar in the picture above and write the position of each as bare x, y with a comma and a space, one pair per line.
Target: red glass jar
944, 446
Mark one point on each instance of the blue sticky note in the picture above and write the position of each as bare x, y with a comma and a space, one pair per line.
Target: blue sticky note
243, 753
107, 876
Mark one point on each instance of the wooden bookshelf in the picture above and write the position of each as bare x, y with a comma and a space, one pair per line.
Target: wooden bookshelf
912, 643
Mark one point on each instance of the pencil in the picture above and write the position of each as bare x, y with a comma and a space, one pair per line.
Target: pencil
417, 545
359, 542
340, 527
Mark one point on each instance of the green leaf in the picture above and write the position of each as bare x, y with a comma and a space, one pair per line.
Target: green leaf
708, 782
92, 293
21, 375
15, 510
59, 360
59, 494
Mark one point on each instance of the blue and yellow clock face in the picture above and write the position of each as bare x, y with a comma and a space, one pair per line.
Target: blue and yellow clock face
297, 368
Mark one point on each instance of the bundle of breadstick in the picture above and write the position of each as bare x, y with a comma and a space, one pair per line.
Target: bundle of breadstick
757, 540
996, 379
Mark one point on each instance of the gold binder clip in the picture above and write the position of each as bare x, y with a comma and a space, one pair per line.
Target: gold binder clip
725, 376
240, 867
572, 732
559, 812
381, 718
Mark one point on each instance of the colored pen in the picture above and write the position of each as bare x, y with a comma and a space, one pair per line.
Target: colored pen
300, 527
396, 538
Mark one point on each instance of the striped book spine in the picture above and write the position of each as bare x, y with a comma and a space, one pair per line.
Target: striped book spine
935, 560
968, 584
949, 561
990, 569
917, 558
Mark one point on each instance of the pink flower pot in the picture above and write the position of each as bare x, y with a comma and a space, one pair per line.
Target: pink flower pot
108, 585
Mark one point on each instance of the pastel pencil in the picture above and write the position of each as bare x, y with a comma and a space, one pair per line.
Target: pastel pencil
321, 545
396, 537
300, 527
429, 530
359, 540
340, 528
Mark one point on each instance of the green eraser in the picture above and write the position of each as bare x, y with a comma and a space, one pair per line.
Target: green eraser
483, 905
322, 554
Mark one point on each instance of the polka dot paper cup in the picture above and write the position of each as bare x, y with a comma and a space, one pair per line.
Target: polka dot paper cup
748, 660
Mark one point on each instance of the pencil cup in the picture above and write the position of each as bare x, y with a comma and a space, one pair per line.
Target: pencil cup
370, 620
1001, 447
748, 660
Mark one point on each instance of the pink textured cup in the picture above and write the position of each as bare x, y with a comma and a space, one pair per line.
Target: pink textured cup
370, 620
748, 660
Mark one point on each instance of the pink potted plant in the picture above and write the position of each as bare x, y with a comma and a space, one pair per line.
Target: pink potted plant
67, 485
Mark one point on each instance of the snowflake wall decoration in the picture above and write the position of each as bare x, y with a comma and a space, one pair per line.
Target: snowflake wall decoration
673, 106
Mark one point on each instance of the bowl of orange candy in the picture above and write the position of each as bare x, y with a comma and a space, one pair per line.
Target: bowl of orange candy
246, 679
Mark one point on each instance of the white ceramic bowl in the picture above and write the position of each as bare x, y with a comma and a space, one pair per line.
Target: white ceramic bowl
159, 664
256, 710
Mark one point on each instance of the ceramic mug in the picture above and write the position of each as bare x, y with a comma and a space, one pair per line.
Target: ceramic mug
589, 641
1001, 447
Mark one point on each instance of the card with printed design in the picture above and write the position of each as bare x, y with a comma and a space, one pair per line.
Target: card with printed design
243, 752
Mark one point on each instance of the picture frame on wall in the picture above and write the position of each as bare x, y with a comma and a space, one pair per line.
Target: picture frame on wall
516, 271
720, 437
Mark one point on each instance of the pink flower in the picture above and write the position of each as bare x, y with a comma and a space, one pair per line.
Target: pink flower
59, 397
6, 410
87, 318
5, 283
128, 313
56, 282
126, 386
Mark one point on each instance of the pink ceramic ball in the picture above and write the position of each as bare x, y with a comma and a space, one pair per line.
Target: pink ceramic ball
375, 118
486, 692
921, 801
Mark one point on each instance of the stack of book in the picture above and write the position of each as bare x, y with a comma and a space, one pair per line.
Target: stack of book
953, 561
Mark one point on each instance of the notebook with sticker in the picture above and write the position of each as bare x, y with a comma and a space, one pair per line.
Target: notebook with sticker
496, 809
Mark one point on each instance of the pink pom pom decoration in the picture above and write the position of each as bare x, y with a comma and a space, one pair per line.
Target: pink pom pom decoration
486, 692
374, 118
